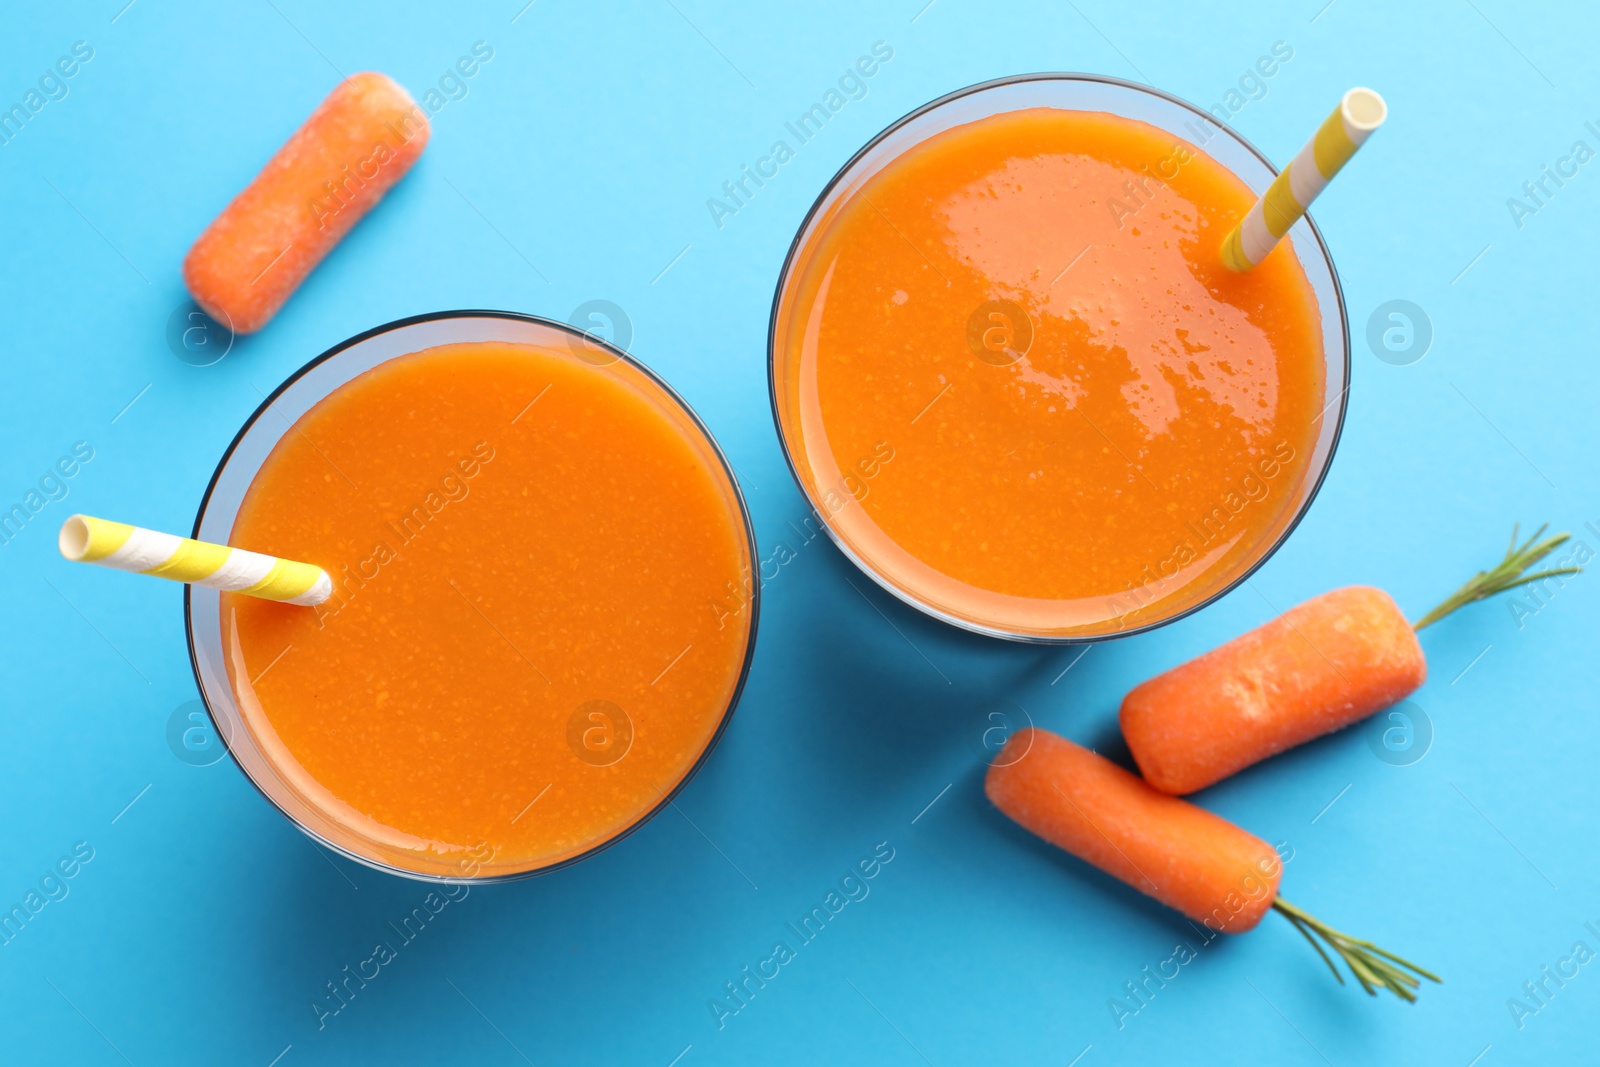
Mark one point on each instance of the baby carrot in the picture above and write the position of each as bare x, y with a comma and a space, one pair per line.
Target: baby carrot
331, 171
1184, 856
1318, 667
1189, 859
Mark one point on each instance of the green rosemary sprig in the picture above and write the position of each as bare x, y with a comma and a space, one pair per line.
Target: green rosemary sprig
1372, 966
1508, 575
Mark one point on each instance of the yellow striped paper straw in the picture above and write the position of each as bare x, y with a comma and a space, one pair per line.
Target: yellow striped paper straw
85, 539
1359, 113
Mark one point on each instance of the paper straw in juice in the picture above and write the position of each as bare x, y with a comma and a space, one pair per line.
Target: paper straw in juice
85, 539
1359, 113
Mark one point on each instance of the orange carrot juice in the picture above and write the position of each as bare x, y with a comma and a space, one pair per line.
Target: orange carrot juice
540, 614
1094, 423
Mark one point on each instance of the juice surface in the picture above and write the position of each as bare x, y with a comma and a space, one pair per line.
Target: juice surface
1092, 422
541, 611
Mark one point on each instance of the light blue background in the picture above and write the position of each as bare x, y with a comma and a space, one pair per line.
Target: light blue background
205, 924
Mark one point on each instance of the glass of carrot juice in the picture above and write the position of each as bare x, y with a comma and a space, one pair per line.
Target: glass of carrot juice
1017, 384
543, 607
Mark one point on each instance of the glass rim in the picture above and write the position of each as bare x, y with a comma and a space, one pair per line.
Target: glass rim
621, 355
930, 610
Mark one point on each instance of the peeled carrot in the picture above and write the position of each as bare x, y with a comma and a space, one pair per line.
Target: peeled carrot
331, 171
1318, 667
1182, 855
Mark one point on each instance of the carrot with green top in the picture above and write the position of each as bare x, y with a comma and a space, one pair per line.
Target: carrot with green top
1184, 856
1318, 667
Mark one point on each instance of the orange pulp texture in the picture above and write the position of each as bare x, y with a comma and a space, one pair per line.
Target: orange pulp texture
1140, 453
498, 566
